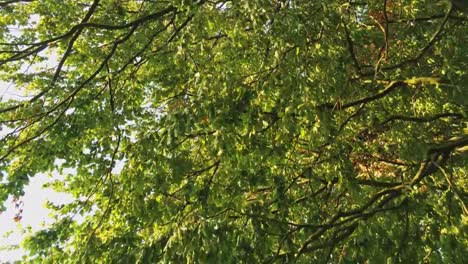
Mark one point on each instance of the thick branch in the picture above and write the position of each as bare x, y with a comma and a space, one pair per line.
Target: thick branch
438, 155
424, 119
390, 88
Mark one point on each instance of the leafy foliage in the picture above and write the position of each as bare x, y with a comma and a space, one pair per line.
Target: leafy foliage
247, 131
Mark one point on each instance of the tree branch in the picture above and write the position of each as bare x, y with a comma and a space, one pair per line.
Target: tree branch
5, 3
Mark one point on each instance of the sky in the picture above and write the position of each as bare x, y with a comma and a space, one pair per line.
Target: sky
34, 215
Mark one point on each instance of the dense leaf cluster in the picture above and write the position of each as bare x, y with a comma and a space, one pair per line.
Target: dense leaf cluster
240, 131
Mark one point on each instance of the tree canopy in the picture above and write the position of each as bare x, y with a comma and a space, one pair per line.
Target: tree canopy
264, 131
